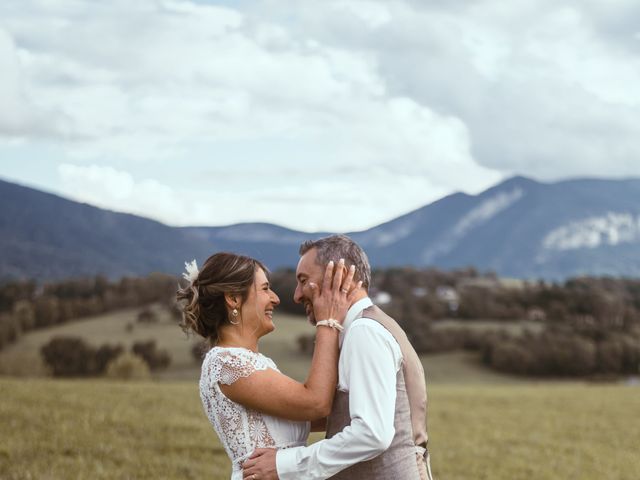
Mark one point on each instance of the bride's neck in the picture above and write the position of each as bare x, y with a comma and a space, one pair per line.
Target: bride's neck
233, 337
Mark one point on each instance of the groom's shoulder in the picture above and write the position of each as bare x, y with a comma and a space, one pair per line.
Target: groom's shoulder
369, 327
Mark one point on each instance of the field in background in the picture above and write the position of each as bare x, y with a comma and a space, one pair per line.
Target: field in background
96, 429
23, 357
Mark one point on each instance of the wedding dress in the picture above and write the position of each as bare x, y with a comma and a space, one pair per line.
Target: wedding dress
242, 430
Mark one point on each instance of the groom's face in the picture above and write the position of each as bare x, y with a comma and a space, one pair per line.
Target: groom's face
308, 271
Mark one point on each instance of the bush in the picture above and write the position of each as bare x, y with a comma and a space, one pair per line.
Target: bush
9, 329
23, 312
69, 357
546, 354
127, 366
156, 359
147, 316
104, 355
73, 357
610, 356
513, 358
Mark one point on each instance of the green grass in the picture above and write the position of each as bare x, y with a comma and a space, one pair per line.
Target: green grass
96, 429
483, 425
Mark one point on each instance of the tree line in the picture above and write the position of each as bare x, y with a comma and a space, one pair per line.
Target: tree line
590, 325
25, 305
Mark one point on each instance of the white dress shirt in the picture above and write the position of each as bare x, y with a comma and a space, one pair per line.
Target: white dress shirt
370, 359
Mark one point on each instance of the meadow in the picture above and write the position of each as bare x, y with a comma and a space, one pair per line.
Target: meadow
96, 429
482, 425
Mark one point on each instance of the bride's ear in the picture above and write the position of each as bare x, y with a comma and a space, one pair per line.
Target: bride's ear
231, 301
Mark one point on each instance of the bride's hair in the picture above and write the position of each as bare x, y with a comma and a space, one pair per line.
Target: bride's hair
204, 309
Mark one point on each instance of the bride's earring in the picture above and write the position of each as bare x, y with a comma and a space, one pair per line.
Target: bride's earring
234, 312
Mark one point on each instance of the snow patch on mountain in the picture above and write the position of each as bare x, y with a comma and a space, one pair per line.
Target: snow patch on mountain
475, 217
611, 229
487, 210
389, 234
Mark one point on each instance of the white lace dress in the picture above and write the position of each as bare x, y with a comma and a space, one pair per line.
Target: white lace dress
242, 430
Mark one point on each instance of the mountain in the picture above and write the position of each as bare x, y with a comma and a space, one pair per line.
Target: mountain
519, 228
45, 236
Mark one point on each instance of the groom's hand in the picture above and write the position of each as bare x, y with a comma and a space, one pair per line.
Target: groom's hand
261, 465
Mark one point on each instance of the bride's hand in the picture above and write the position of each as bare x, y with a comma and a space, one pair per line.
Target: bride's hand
336, 295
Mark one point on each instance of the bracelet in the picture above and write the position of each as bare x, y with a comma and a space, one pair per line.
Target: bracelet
330, 323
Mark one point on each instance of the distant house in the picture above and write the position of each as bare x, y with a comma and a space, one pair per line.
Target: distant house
479, 282
381, 298
450, 296
419, 291
536, 314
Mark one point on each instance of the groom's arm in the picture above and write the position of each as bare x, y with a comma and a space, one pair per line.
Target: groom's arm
370, 364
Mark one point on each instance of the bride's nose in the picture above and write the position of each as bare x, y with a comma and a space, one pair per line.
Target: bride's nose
275, 299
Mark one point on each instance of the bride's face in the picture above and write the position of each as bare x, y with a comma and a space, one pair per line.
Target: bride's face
257, 310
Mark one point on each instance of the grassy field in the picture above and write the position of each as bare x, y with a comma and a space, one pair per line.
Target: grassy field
96, 429
483, 425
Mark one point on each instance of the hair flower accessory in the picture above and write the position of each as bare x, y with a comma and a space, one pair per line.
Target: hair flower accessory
192, 271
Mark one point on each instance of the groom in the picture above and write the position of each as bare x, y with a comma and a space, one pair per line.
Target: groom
377, 425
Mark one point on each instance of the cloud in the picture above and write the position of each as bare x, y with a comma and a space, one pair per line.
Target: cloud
261, 108
17, 115
544, 89
109, 188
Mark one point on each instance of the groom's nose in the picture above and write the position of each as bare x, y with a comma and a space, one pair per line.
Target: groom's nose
297, 295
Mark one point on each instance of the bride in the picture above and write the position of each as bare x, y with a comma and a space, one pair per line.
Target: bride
249, 402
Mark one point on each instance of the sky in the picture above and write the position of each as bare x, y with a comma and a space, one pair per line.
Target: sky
329, 115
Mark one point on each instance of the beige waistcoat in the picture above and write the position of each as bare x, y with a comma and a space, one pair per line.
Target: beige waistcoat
406, 458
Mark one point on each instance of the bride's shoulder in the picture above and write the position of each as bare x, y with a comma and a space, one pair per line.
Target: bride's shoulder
235, 360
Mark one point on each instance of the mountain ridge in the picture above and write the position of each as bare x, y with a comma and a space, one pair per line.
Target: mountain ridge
519, 227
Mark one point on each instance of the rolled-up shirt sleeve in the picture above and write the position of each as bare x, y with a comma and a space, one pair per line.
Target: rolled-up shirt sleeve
369, 362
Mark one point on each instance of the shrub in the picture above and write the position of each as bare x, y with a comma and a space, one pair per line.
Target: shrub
611, 356
9, 329
556, 354
23, 312
147, 316
156, 359
104, 355
69, 357
127, 366
73, 357
513, 358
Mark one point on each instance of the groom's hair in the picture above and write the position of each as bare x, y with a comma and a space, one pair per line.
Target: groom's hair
336, 247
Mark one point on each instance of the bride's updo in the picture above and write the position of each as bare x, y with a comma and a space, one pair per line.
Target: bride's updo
204, 309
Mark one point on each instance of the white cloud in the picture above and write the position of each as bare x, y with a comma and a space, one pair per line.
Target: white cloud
329, 204
115, 189
336, 100
17, 115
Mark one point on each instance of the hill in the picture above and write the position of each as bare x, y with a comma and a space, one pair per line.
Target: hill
520, 228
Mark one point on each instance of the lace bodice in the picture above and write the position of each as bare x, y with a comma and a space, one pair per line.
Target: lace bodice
242, 430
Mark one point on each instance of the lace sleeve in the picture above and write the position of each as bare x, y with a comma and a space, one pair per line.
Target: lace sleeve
229, 366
